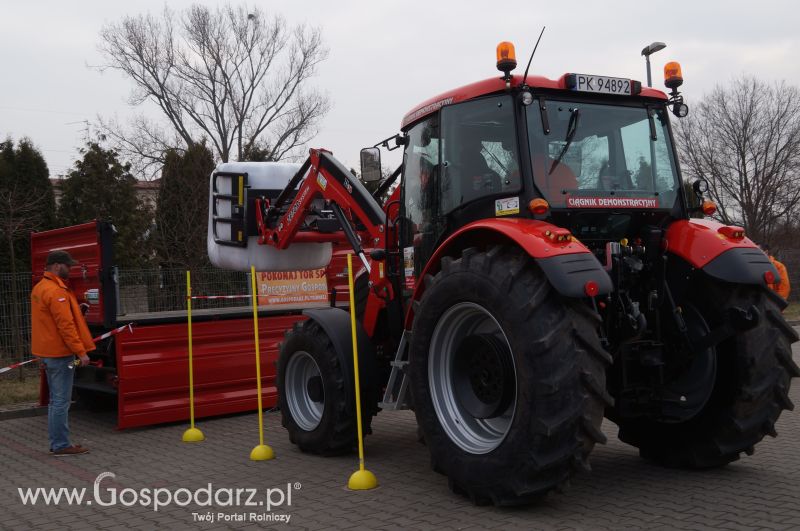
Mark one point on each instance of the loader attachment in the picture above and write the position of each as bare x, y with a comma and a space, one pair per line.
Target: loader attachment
233, 240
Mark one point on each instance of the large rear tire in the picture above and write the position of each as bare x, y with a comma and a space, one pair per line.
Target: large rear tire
508, 378
313, 394
750, 390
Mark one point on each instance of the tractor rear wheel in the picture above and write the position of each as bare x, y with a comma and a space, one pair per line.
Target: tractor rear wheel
508, 378
313, 395
750, 387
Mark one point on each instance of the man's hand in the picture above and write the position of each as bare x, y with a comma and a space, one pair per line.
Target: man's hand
84, 359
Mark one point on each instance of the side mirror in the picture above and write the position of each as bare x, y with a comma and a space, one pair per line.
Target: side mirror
371, 164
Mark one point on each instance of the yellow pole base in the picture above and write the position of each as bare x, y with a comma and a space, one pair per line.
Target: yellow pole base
262, 452
193, 435
362, 480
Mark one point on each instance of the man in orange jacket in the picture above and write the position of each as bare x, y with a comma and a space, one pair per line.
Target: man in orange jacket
58, 334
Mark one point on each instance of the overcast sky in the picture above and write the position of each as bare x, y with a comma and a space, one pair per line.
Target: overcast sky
385, 57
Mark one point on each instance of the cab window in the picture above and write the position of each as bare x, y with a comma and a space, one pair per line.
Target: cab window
479, 151
597, 150
420, 204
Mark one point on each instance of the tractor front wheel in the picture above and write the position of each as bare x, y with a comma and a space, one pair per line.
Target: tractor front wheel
313, 394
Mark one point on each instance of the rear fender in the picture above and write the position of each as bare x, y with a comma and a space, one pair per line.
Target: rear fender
336, 324
567, 265
701, 244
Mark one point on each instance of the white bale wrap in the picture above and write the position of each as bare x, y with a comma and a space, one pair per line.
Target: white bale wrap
273, 176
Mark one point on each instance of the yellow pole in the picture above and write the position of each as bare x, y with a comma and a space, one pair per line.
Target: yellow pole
262, 452
192, 434
361, 479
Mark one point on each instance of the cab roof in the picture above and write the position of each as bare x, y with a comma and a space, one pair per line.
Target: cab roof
497, 84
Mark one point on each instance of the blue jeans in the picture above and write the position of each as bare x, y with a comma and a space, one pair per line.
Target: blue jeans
60, 372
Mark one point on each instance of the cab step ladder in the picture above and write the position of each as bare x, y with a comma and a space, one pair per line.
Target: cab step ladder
395, 396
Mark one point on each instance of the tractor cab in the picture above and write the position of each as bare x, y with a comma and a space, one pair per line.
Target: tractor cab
593, 154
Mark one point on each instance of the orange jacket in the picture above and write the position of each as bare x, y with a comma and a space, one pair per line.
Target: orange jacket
782, 287
57, 326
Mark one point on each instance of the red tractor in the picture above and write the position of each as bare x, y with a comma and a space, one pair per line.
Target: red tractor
536, 267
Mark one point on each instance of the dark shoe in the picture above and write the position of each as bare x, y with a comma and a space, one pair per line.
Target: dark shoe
71, 450
77, 445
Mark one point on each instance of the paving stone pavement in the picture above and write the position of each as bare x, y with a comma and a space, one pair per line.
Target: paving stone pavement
622, 492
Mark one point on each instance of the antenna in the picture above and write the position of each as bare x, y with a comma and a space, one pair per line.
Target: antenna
525, 77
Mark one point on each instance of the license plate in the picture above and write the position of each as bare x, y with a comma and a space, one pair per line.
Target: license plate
602, 84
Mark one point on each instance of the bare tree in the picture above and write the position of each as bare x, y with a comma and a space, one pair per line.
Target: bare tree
744, 139
234, 76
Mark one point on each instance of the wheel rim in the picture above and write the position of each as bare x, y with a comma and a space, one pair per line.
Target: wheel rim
691, 388
474, 398
304, 392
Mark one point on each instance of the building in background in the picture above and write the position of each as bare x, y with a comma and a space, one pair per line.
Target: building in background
147, 191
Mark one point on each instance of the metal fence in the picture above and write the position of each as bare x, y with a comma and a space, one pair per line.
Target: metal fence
164, 290
139, 292
15, 317
791, 259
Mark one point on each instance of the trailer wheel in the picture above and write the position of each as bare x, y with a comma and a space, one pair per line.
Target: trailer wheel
313, 395
751, 388
508, 378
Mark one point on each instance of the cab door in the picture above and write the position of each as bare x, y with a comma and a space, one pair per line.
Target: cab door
420, 214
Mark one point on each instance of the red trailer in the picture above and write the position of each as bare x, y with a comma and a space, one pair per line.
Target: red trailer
146, 372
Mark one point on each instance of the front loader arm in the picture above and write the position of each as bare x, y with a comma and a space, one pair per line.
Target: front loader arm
322, 176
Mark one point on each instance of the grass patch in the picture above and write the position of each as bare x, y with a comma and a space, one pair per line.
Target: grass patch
14, 391
792, 312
